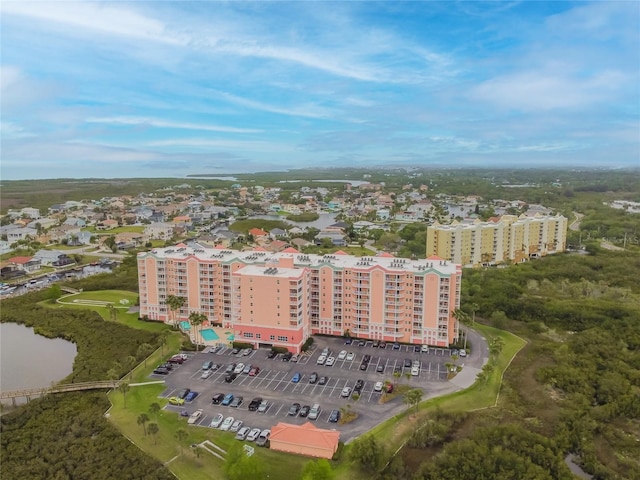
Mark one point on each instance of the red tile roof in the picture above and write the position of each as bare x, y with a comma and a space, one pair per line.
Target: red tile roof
257, 232
306, 435
20, 260
290, 250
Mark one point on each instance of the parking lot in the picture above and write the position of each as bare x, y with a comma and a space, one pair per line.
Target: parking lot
274, 383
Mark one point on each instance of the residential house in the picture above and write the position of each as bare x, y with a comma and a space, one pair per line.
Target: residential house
277, 233
44, 223
81, 238
107, 224
75, 222
27, 264
53, 258
56, 235
258, 233
20, 233
159, 230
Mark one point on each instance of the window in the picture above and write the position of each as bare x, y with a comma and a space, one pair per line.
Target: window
247, 335
258, 336
272, 337
282, 338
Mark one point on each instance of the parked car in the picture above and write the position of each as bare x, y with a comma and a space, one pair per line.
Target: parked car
287, 356
390, 388
304, 411
236, 402
254, 404
382, 345
396, 346
217, 398
226, 425
364, 365
235, 351
330, 361
313, 378
206, 374
348, 341
342, 355
263, 438
263, 407
415, 370
207, 365
416, 348
184, 413
246, 369
346, 391
358, 387
253, 435
217, 421
350, 356
407, 363
272, 354
314, 412
323, 380
334, 416
380, 368
230, 377
463, 353
296, 377
183, 393
295, 358
230, 368
235, 426
362, 343
424, 348
366, 358
294, 409
176, 359
161, 371
321, 360
254, 371
176, 400
228, 398
239, 368
191, 396
195, 416
242, 433
378, 387
246, 352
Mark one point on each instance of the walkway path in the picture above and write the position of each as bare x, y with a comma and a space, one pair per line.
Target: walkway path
575, 225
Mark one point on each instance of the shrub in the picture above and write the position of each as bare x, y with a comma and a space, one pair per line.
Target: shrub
307, 344
242, 345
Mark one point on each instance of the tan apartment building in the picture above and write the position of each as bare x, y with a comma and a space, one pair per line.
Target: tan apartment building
282, 298
501, 239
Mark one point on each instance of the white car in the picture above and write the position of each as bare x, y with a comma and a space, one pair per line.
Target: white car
226, 425
314, 412
346, 391
195, 416
236, 425
242, 433
378, 387
463, 353
253, 434
206, 374
350, 356
415, 370
295, 358
264, 405
321, 360
330, 361
263, 437
342, 355
239, 368
424, 349
217, 421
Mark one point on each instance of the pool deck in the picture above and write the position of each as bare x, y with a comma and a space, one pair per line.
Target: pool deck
200, 340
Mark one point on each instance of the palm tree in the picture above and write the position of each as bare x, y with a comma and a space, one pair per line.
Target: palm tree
413, 397
143, 351
164, 338
474, 307
124, 388
131, 363
397, 376
181, 435
143, 418
175, 303
154, 408
153, 429
197, 319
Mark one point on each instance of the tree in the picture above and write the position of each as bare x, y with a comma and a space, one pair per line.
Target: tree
143, 352
153, 429
413, 398
495, 346
396, 375
131, 363
124, 388
197, 319
367, 453
163, 339
143, 418
175, 303
55, 292
239, 466
113, 314
154, 409
318, 470
181, 435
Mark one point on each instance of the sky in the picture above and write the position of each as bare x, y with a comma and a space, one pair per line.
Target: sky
168, 89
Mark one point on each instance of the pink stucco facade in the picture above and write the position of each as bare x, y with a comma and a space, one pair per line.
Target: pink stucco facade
281, 299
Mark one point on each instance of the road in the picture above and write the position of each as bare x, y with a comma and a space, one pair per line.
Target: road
575, 225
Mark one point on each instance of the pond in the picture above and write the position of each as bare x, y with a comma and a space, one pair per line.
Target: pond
28, 360
324, 220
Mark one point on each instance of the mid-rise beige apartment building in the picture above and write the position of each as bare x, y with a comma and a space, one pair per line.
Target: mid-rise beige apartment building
501, 239
281, 299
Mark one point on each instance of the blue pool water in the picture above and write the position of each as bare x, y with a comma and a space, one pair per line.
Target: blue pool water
185, 325
208, 334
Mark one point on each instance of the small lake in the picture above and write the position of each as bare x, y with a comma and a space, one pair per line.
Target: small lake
28, 360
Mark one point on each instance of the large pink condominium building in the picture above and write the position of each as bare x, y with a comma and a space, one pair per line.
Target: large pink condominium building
281, 299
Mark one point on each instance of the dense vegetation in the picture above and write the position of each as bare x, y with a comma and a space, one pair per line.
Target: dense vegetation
66, 436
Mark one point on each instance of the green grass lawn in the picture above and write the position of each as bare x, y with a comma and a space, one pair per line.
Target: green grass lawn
113, 231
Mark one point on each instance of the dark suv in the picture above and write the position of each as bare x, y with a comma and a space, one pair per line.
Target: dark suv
217, 398
334, 416
255, 403
358, 386
230, 377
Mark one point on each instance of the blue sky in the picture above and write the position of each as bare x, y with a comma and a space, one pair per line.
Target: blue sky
157, 89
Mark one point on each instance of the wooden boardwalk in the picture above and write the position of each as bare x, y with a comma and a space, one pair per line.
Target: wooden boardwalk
66, 387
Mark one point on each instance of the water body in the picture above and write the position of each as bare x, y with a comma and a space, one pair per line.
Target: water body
325, 220
28, 360
355, 183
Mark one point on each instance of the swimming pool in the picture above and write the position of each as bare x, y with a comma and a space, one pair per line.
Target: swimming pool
185, 325
208, 334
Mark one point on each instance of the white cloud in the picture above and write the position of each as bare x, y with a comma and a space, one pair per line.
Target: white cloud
257, 145
11, 130
308, 110
154, 122
103, 18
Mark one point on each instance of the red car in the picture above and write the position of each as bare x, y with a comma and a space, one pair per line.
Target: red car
254, 371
